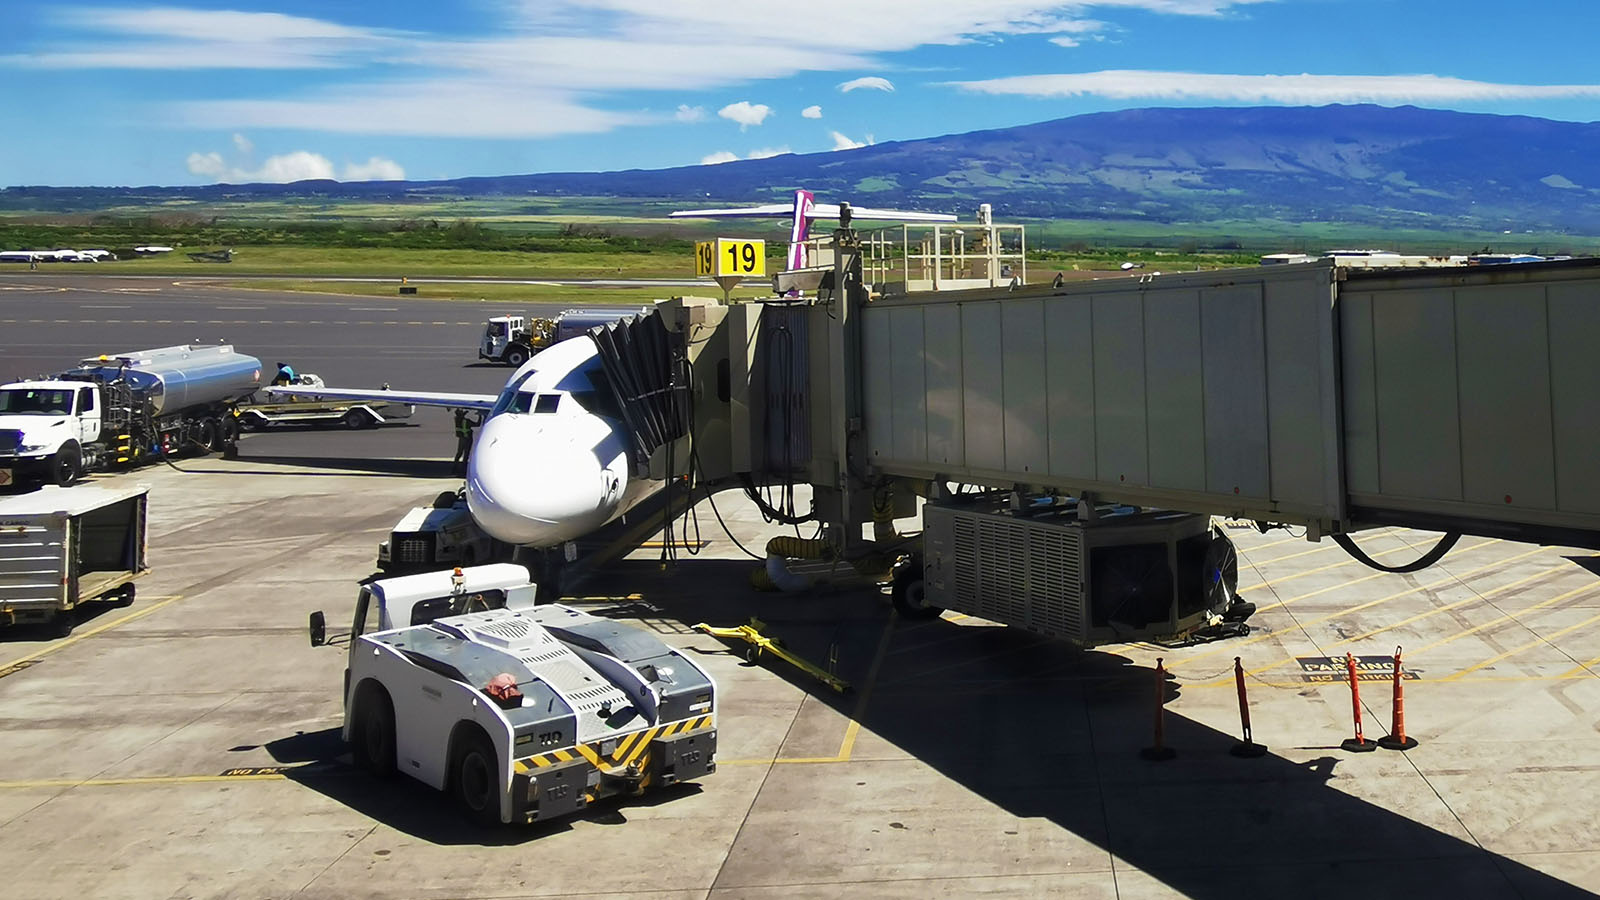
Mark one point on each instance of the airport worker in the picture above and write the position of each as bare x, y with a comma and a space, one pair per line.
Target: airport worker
463, 439
285, 375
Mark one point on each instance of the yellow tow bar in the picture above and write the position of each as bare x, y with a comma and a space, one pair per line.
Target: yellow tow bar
760, 643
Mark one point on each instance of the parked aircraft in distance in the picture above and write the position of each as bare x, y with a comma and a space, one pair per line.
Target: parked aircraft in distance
801, 212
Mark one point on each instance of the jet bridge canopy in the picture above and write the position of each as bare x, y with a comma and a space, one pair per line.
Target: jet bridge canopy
1458, 399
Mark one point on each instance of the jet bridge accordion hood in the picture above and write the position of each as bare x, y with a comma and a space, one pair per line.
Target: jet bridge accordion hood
647, 369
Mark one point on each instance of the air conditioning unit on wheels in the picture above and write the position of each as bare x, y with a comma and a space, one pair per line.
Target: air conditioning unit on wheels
1126, 576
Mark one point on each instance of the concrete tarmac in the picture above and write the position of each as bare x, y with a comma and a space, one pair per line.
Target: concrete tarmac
187, 745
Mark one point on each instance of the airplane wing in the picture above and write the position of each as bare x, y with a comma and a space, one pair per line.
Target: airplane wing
831, 211
771, 209
416, 398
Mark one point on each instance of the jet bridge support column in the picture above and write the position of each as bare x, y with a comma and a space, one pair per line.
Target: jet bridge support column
842, 498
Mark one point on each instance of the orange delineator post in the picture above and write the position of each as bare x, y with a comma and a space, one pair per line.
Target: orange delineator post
1359, 743
1249, 747
1160, 752
1396, 739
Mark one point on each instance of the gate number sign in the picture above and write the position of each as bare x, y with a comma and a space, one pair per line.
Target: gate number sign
729, 256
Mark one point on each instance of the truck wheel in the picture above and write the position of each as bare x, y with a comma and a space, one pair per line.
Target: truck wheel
61, 625
66, 465
907, 591
206, 435
473, 778
373, 735
515, 357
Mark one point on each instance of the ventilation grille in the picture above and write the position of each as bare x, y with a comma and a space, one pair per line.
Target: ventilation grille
1019, 573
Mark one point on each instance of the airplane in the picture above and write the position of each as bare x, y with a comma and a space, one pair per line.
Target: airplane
801, 212
550, 463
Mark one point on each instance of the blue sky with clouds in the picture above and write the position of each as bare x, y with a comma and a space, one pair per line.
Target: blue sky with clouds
115, 92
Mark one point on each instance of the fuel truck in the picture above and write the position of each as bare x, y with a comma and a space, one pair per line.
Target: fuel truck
122, 410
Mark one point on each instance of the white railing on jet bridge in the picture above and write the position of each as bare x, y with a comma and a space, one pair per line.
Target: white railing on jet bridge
934, 257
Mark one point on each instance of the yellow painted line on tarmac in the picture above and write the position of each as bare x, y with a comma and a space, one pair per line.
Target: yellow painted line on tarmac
90, 632
137, 779
1475, 598
848, 745
1542, 639
1231, 645
1500, 620
1322, 549
1342, 562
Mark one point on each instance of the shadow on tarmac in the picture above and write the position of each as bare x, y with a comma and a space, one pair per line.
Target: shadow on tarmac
342, 466
1034, 727
320, 761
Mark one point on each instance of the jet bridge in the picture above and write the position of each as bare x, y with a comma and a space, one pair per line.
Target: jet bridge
1460, 400
1109, 419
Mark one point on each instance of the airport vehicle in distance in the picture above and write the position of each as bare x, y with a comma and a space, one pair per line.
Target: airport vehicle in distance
60, 548
523, 713
514, 339
442, 534
309, 410
123, 409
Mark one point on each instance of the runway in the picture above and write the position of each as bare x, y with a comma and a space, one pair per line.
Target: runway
49, 322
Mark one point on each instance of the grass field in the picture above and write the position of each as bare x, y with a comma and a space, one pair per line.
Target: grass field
311, 261
468, 292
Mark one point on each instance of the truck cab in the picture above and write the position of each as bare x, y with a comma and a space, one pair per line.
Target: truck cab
499, 334
46, 425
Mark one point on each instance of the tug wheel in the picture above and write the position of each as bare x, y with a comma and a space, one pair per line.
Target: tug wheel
373, 737
473, 776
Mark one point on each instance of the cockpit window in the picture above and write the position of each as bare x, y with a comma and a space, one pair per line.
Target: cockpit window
547, 403
509, 395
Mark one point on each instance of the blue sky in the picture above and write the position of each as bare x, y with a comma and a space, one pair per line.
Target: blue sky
250, 90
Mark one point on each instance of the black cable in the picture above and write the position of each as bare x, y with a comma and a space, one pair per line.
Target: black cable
1422, 562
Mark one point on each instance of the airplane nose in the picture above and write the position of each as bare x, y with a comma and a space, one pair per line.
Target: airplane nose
531, 485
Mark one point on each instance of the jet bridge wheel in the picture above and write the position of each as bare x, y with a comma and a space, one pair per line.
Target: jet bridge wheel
472, 777
907, 591
373, 736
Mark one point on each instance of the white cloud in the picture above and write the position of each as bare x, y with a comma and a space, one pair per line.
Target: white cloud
866, 82
687, 113
722, 156
376, 168
1294, 89
841, 142
745, 113
811, 112
544, 68
296, 166
208, 164
242, 144
1064, 41
172, 38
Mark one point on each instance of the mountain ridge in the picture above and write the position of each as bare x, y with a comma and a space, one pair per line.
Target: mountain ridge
1358, 164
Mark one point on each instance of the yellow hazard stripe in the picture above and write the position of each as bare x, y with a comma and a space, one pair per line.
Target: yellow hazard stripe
629, 749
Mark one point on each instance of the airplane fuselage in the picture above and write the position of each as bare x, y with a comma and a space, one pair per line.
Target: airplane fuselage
550, 463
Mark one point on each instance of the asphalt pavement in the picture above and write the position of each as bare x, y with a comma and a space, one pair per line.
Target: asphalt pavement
49, 321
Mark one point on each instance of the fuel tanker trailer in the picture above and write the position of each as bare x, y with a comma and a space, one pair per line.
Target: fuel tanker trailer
123, 409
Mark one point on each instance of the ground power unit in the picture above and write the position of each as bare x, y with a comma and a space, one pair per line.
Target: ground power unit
1125, 576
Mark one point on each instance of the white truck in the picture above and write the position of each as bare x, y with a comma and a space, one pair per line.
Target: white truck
443, 534
522, 713
123, 409
60, 548
514, 339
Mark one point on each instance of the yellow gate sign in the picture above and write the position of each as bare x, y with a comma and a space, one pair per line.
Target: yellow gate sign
725, 257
